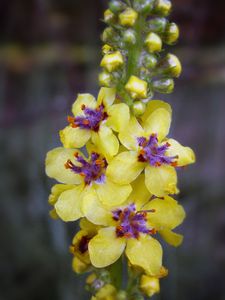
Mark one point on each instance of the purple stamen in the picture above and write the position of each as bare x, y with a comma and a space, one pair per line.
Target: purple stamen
91, 119
131, 222
153, 153
92, 170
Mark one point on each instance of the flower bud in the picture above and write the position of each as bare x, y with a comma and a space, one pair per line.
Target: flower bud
138, 108
109, 16
157, 25
137, 87
170, 65
149, 285
153, 42
108, 34
162, 7
129, 37
105, 79
164, 86
128, 17
116, 6
79, 266
91, 278
143, 6
150, 61
106, 49
112, 61
171, 34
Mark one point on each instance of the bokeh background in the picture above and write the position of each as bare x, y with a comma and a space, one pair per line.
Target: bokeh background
50, 51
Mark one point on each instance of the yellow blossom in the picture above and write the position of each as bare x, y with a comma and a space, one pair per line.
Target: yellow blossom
96, 120
131, 228
85, 182
150, 150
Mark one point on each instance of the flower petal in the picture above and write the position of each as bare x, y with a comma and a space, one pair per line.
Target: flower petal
186, 155
153, 105
55, 166
159, 123
172, 238
111, 194
146, 253
168, 213
74, 137
68, 204
56, 190
119, 115
125, 167
94, 211
140, 195
106, 141
106, 96
105, 248
129, 135
83, 99
161, 180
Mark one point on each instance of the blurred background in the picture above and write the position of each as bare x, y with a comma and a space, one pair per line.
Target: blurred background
49, 52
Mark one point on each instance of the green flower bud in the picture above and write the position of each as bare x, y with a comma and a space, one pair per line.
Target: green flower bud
170, 65
121, 295
108, 34
129, 37
109, 16
143, 6
157, 25
138, 108
116, 6
162, 7
164, 86
128, 17
105, 79
171, 34
153, 42
150, 61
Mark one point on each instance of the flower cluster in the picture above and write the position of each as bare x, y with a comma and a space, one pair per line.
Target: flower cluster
117, 167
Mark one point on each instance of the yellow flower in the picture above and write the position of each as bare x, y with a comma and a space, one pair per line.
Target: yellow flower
131, 228
85, 182
151, 151
96, 120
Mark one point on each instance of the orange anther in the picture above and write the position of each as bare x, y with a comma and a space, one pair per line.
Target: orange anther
82, 174
142, 152
85, 122
83, 106
99, 162
76, 154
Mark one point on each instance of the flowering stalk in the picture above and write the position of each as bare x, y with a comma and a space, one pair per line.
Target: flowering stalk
122, 190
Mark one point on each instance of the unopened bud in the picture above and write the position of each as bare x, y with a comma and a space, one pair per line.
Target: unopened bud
170, 65
150, 61
137, 87
157, 25
153, 42
162, 7
129, 37
143, 6
112, 61
149, 285
108, 34
138, 108
105, 79
116, 6
171, 34
79, 266
107, 49
128, 17
109, 16
164, 86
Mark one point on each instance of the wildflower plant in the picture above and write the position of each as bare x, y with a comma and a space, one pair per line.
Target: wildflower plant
117, 166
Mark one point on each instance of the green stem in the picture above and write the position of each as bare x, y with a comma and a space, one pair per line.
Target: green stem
134, 51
